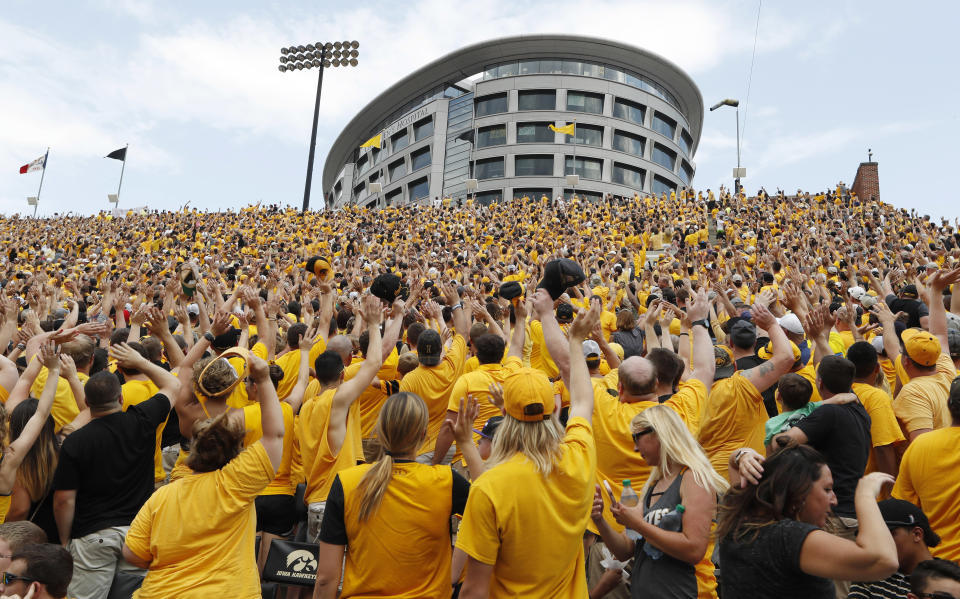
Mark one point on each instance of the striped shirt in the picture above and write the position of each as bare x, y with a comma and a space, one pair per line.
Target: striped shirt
894, 587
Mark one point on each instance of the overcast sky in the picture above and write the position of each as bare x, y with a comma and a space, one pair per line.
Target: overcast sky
193, 87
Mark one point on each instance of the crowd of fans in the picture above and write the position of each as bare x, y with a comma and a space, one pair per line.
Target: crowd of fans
689, 395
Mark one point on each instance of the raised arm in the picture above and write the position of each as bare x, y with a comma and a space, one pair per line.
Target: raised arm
270, 413
765, 375
581, 391
939, 281
166, 383
372, 312
703, 365
552, 335
519, 332
19, 447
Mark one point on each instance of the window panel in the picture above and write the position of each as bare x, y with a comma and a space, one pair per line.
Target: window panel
585, 102
420, 159
628, 142
489, 168
492, 104
628, 111
664, 157
529, 67
485, 198
419, 189
534, 193
533, 165
586, 135
628, 175
587, 196
423, 129
587, 168
686, 142
664, 125
507, 70
534, 133
661, 185
495, 135
536, 99
571, 67
397, 169
399, 141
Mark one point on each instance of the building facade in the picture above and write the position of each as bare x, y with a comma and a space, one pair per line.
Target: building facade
484, 113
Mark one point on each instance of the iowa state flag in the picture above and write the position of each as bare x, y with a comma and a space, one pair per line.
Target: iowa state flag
36, 165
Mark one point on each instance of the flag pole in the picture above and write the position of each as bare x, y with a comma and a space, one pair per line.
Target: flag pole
43, 172
124, 166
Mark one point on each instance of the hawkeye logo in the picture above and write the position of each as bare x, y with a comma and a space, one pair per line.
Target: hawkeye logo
301, 564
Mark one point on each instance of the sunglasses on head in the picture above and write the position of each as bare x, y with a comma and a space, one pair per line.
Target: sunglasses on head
642, 432
9, 578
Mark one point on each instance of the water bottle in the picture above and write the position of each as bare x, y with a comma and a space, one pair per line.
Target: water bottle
672, 521
629, 498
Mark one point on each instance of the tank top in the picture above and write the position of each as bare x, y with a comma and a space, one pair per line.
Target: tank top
666, 577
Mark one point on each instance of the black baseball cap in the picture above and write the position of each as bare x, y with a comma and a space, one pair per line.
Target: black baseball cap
898, 513
490, 427
429, 347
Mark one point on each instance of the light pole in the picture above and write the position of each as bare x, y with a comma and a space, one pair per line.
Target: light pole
739, 172
319, 56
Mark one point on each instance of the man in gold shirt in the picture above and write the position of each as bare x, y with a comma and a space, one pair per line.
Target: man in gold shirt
328, 430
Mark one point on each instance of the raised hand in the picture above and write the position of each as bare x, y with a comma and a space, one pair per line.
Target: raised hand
220, 323
762, 317
49, 355
126, 356
586, 321
372, 310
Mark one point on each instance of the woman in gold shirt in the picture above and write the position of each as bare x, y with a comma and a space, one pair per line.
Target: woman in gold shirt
196, 535
394, 515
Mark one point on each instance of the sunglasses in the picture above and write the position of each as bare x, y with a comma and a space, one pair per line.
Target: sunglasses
9, 578
636, 436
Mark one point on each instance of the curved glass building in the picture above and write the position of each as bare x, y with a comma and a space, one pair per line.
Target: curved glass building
484, 113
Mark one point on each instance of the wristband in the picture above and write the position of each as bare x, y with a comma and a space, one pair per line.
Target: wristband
209, 337
21, 346
457, 305
702, 322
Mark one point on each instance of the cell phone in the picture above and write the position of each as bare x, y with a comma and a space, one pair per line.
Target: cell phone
606, 485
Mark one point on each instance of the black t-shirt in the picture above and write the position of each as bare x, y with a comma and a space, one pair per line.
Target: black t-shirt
842, 434
333, 528
768, 566
109, 463
915, 309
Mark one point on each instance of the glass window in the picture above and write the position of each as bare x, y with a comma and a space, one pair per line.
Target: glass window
571, 67
588, 168
628, 175
358, 190
397, 169
661, 185
587, 196
613, 74
664, 125
534, 194
550, 66
628, 142
399, 141
533, 165
686, 172
665, 157
529, 67
423, 129
686, 142
592, 70
375, 155
494, 135
585, 102
537, 99
507, 70
586, 135
489, 168
534, 133
485, 198
628, 111
632, 80
394, 197
420, 159
419, 189
492, 104
490, 73
363, 164
374, 176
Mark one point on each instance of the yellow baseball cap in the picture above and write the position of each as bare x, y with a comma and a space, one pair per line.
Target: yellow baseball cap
922, 347
528, 395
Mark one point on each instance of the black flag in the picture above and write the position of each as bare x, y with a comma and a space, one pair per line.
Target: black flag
120, 154
466, 136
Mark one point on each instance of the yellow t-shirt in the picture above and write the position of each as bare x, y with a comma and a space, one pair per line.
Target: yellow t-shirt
434, 384
282, 484
64, 408
410, 515
530, 527
689, 402
320, 463
371, 400
198, 532
539, 356
928, 479
478, 384
290, 363
135, 392
884, 429
732, 418
922, 403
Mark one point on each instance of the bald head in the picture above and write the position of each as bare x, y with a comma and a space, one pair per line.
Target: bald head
343, 346
637, 376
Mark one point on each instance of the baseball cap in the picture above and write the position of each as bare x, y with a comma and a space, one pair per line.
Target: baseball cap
193, 309
386, 287
857, 292
743, 333
528, 395
564, 313
909, 291
320, 267
510, 290
590, 348
489, 427
560, 274
953, 342
922, 347
736, 277
868, 301
766, 352
724, 362
791, 323
429, 347
898, 513
877, 343
953, 321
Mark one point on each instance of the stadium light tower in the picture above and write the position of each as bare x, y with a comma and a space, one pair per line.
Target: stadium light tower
738, 172
319, 56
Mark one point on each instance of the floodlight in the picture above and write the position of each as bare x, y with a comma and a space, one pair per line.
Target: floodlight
301, 48
337, 45
354, 53
283, 50
310, 47
354, 44
353, 62
282, 68
328, 46
326, 63
335, 62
